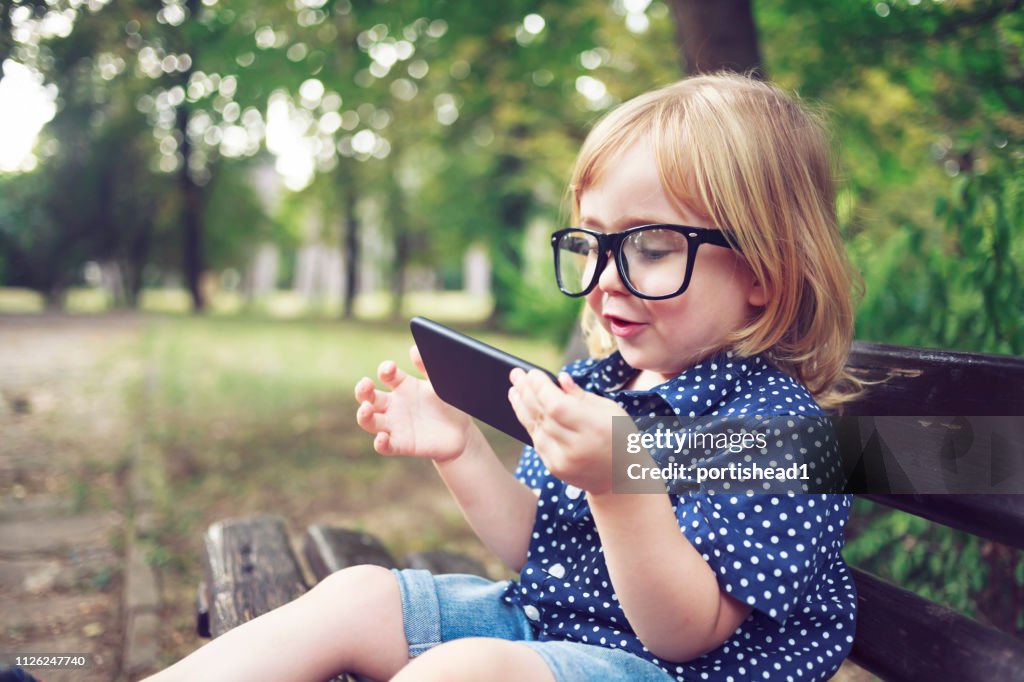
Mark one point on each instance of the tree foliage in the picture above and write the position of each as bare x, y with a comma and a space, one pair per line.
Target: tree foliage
430, 126
928, 109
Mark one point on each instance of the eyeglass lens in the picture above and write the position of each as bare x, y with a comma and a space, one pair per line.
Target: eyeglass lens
653, 261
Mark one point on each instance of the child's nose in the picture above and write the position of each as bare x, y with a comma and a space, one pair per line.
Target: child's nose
609, 279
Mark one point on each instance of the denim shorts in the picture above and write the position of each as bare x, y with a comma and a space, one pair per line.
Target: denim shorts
440, 608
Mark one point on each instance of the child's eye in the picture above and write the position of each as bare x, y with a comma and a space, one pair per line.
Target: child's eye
655, 245
653, 254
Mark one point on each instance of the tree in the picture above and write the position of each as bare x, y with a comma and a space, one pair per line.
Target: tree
715, 36
93, 198
928, 100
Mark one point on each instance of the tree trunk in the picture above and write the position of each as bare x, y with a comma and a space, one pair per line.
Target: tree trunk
193, 261
506, 245
401, 264
135, 265
191, 220
350, 238
715, 36
55, 297
401, 229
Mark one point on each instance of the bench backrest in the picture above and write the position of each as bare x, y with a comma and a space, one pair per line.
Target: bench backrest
900, 635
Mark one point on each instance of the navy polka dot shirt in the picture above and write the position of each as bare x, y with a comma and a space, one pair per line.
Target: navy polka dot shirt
778, 553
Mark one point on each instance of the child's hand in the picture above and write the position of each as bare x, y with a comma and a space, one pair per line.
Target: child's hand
571, 428
410, 420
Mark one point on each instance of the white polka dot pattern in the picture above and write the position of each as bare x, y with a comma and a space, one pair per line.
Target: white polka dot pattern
778, 553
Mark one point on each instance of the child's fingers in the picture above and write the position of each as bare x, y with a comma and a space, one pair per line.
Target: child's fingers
417, 360
523, 398
366, 392
370, 419
382, 443
549, 397
364, 417
525, 416
364, 389
390, 374
568, 384
531, 412
530, 389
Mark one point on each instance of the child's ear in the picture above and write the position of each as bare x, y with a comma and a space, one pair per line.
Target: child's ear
756, 295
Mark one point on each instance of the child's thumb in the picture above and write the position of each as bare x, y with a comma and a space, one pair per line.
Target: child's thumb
568, 385
417, 359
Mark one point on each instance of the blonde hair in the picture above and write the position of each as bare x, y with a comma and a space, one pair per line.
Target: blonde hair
758, 164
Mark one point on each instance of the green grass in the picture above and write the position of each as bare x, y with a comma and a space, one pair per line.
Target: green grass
453, 306
20, 301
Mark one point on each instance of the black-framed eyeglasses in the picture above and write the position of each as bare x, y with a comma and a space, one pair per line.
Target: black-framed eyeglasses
654, 261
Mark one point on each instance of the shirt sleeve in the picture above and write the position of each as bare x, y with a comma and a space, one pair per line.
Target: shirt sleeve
764, 549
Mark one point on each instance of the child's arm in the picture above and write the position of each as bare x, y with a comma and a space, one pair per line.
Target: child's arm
668, 592
499, 508
411, 420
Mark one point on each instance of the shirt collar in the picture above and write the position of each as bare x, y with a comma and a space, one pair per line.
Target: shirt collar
695, 391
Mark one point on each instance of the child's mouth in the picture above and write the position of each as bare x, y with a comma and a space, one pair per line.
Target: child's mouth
623, 328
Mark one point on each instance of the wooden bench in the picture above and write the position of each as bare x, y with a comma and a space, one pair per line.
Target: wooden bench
250, 566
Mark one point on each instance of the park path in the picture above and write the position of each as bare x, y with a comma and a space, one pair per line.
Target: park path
66, 443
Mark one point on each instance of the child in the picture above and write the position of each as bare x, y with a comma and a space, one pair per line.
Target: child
715, 284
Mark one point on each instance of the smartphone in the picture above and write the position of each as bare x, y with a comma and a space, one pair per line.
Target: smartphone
471, 375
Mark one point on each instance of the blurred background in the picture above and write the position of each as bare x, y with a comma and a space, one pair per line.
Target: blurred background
217, 215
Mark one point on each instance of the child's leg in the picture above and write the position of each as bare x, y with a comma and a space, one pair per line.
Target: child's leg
477, 658
497, 660
350, 622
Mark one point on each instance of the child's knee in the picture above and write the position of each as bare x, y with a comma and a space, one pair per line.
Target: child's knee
363, 585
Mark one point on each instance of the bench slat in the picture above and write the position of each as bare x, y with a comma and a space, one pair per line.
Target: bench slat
945, 452
250, 569
940, 455
926, 382
328, 549
901, 636
441, 561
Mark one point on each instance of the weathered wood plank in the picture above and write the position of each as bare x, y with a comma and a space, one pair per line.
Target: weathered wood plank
933, 455
944, 422
441, 561
927, 382
250, 569
328, 549
901, 636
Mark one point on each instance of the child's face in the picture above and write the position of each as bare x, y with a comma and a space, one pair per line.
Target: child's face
664, 337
